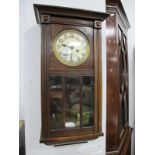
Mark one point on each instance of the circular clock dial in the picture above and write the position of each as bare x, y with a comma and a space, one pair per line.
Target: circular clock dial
71, 47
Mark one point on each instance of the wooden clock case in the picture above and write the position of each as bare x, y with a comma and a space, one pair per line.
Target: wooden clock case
118, 133
53, 20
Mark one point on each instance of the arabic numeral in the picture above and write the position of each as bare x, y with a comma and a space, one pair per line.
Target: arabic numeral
58, 46
83, 54
78, 58
65, 36
71, 35
83, 42
61, 40
77, 38
84, 47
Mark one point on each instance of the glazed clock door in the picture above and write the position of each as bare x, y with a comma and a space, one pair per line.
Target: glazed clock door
71, 102
71, 80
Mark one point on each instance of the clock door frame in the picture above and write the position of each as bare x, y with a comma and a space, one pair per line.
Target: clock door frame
46, 16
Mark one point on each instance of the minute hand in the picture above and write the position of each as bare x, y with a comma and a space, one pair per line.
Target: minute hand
71, 47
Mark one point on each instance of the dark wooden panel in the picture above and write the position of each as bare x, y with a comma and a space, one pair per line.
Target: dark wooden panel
82, 72
73, 139
112, 85
124, 147
43, 82
67, 12
117, 81
53, 20
75, 22
116, 6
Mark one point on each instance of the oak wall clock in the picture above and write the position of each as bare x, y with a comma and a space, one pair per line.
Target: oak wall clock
71, 74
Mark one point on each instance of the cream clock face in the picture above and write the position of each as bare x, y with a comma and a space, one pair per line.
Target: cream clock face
71, 47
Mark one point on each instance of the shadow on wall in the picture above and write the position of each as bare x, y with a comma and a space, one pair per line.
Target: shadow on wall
32, 56
133, 104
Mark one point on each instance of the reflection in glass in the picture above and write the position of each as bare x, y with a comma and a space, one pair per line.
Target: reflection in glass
71, 101
72, 104
56, 113
55, 82
56, 102
88, 100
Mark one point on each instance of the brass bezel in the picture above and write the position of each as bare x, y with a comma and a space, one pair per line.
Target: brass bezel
64, 61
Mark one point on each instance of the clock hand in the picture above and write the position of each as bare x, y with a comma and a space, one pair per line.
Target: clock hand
71, 57
71, 47
64, 45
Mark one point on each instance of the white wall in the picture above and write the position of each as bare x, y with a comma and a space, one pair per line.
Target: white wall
129, 6
130, 10
30, 40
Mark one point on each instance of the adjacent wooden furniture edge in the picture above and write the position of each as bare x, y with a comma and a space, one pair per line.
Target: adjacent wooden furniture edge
120, 10
123, 144
22, 137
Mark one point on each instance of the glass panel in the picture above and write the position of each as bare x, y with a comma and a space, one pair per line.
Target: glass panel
119, 36
122, 114
56, 102
56, 113
125, 107
124, 42
55, 83
72, 102
88, 101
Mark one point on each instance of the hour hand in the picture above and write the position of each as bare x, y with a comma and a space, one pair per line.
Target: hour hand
64, 45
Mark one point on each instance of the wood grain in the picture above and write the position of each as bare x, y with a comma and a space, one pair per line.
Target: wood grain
117, 135
53, 20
